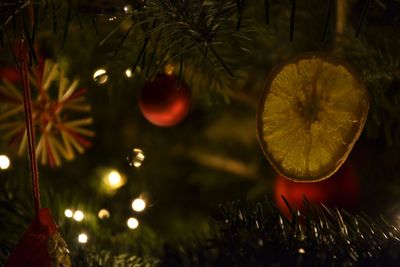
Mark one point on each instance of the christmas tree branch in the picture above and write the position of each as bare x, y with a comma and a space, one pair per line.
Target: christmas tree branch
249, 234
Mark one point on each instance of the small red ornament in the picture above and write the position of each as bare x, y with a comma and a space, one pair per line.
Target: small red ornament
340, 190
41, 245
161, 101
10, 74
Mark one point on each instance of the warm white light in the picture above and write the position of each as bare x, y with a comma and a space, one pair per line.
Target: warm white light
138, 205
82, 238
128, 73
68, 213
4, 162
100, 76
136, 158
169, 69
128, 9
114, 179
139, 157
301, 251
78, 215
103, 214
132, 223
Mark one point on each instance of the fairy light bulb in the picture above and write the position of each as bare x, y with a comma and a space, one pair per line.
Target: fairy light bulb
136, 157
103, 214
138, 204
114, 179
4, 162
132, 223
169, 69
68, 213
301, 251
100, 76
128, 73
83, 238
128, 9
78, 216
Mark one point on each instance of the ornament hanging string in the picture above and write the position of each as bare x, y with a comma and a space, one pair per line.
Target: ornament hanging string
24, 71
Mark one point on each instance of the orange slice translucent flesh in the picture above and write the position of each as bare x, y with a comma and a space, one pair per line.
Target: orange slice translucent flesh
311, 115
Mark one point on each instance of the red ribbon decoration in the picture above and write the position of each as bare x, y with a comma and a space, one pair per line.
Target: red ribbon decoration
32, 251
24, 71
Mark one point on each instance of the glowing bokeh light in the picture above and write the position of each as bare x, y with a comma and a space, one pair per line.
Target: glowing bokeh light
4, 162
138, 204
103, 214
100, 76
113, 179
82, 238
128, 9
132, 223
136, 158
128, 73
78, 216
68, 213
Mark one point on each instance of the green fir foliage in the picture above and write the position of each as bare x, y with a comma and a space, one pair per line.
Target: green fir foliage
223, 50
249, 234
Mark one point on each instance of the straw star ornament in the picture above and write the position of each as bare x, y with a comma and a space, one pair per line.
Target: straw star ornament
60, 114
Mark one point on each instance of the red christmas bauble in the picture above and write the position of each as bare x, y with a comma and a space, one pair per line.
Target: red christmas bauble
161, 101
340, 190
10, 74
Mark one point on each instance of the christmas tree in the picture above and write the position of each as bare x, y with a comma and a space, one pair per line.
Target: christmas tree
199, 133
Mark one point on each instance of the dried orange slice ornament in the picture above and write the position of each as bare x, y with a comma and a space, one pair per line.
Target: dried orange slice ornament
311, 113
